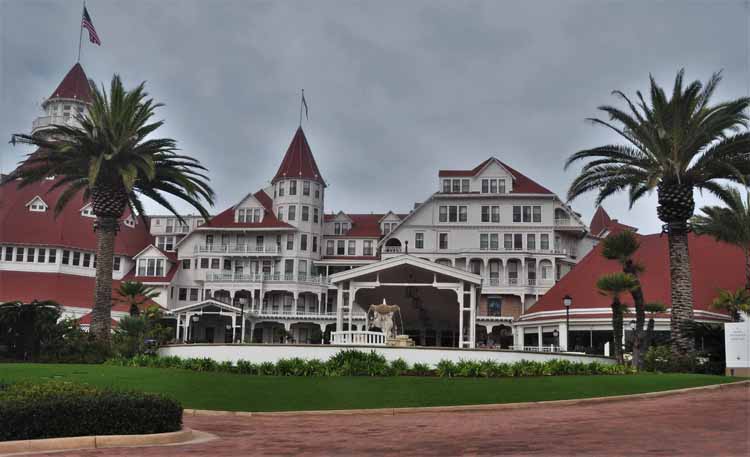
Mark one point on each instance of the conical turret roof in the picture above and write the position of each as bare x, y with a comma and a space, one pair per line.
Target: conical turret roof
298, 161
75, 85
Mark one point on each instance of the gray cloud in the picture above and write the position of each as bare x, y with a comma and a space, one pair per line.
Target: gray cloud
396, 90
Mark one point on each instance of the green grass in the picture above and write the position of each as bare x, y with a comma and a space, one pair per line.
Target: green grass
221, 391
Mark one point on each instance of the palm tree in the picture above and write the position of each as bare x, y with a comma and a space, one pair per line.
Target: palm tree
135, 294
622, 247
734, 302
730, 224
27, 324
652, 309
674, 145
110, 158
614, 285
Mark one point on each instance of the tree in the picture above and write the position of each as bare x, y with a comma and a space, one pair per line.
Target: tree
652, 309
614, 285
26, 325
733, 302
622, 247
112, 160
730, 224
675, 144
135, 294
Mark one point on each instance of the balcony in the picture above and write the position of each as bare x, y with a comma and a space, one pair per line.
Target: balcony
48, 121
266, 277
392, 250
237, 249
516, 282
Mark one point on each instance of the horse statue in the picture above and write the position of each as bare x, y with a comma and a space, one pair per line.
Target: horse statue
383, 318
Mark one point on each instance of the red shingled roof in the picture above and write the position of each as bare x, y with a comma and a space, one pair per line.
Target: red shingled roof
714, 265
601, 222
86, 320
152, 279
522, 184
225, 219
298, 161
70, 229
74, 85
363, 225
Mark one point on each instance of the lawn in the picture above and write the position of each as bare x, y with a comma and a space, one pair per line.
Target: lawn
221, 391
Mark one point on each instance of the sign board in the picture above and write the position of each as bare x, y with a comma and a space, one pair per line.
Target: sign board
737, 343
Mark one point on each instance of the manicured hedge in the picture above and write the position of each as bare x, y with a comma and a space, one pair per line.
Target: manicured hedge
360, 363
61, 409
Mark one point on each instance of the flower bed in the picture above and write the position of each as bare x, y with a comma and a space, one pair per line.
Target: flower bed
360, 363
62, 409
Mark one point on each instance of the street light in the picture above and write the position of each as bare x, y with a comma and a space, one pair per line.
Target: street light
567, 302
556, 334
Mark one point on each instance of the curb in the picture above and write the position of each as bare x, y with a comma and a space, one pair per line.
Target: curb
94, 442
464, 408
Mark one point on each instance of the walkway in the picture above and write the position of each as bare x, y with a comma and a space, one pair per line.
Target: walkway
712, 422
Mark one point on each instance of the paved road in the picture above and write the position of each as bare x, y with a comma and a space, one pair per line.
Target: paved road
703, 423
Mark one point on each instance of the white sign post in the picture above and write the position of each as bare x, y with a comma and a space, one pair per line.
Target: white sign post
737, 345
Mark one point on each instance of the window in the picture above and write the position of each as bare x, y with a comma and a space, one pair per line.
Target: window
281, 213
228, 264
485, 186
367, 247
76, 258
315, 215
340, 247
527, 213
30, 254
252, 215
293, 187
456, 186
151, 267
289, 242
463, 214
443, 214
531, 242
289, 266
86, 260
337, 228
19, 254
306, 188
165, 243
193, 294
305, 213
419, 240
537, 214
485, 214
453, 214
303, 242
484, 241
501, 185
524, 213
209, 240
260, 242
182, 294
186, 264
508, 242
315, 244
317, 191
516, 214
8, 253
281, 189
494, 242
494, 306
493, 186
37, 205
446, 186
465, 186
88, 212
443, 240
518, 241
52, 257
292, 212
329, 247
65, 257
204, 263
352, 248
544, 241
215, 264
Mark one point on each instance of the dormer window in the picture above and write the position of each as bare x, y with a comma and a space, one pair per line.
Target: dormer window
388, 227
251, 215
129, 221
456, 186
37, 205
87, 211
493, 186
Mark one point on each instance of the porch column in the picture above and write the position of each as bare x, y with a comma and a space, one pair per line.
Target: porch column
252, 330
320, 303
473, 316
186, 332
562, 330
252, 301
352, 293
460, 292
242, 336
177, 332
234, 328
295, 299
539, 332
339, 307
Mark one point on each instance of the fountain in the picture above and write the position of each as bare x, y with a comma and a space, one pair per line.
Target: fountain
383, 319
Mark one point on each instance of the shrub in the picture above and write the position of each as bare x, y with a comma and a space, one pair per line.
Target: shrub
60, 409
267, 369
315, 367
358, 363
422, 369
446, 369
245, 367
399, 366
291, 367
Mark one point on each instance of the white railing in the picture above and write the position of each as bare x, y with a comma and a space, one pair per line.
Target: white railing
358, 337
516, 282
392, 249
550, 348
563, 221
237, 249
265, 277
46, 121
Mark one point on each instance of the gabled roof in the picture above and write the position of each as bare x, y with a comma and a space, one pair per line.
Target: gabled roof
522, 184
714, 266
363, 225
69, 229
226, 218
131, 276
298, 161
406, 259
601, 222
74, 85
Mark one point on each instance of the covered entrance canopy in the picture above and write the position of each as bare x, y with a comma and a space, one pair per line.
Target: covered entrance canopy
208, 321
433, 298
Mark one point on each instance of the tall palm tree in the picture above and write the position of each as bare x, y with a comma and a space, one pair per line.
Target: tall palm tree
734, 302
112, 160
135, 294
27, 323
622, 247
614, 285
730, 224
673, 144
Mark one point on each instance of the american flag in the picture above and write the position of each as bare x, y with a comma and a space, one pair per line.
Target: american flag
88, 25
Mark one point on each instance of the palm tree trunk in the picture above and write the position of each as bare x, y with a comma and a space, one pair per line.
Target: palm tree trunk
639, 346
101, 316
649, 334
747, 267
617, 329
681, 321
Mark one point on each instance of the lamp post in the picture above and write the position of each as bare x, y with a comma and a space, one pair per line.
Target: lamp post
556, 334
567, 302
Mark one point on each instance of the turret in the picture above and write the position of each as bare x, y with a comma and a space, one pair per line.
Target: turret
71, 97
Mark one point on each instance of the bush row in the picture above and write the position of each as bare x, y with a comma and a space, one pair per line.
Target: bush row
360, 363
60, 409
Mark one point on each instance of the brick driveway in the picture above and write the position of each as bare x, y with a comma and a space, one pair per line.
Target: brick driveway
711, 422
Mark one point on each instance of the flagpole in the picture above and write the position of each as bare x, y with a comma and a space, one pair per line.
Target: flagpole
300, 107
80, 32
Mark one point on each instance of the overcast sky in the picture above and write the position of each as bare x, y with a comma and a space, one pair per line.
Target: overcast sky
396, 89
